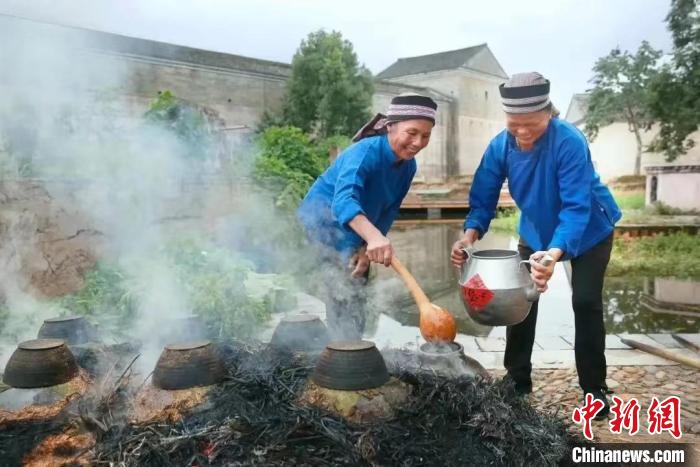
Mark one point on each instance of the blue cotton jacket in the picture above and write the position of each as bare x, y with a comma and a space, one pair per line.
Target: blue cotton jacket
562, 201
367, 178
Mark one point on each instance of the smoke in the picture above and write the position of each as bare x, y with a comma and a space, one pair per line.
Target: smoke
81, 170
71, 122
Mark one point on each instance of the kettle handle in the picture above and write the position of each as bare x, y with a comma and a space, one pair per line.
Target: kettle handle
531, 292
467, 252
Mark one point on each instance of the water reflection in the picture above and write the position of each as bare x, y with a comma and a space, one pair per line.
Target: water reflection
632, 305
644, 305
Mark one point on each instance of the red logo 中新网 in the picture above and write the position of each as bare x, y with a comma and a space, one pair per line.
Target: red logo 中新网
584, 415
665, 416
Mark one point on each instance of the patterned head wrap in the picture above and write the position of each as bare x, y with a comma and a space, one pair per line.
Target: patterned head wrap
525, 93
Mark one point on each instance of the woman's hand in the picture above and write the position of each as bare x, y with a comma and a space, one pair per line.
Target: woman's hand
380, 250
468, 239
359, 263
542, 267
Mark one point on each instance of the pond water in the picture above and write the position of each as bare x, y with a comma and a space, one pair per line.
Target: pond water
632, 305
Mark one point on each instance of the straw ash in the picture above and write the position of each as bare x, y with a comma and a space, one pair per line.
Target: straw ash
253, 419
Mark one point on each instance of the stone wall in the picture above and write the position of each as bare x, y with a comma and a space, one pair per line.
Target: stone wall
126, 74
238, 97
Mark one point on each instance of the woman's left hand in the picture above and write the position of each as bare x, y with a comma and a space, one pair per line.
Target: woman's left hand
540, 273
359, 263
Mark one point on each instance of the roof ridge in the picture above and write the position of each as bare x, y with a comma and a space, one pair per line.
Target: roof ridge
483, 44
110, 34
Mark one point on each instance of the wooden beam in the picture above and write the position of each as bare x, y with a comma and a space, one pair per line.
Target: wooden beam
667, 354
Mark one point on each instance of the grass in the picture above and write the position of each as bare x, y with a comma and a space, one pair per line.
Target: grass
627, 200
674, 255
506, 221
635, 210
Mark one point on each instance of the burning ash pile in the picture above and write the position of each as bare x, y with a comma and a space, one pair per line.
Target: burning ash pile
254, 417
258, 415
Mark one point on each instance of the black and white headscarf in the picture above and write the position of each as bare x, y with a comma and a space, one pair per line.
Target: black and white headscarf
411, 107
402, 107
525, 93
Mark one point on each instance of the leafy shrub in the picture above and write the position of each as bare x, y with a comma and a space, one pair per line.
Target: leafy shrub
105, 295
188, 123
289, 162
213, 280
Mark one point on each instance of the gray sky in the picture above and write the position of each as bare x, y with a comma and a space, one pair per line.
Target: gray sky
559, 38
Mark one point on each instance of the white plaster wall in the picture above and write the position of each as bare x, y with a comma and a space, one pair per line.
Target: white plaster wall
614, 149
678, 190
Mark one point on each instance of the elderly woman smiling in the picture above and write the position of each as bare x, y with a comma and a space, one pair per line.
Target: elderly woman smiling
565, 213
350, 208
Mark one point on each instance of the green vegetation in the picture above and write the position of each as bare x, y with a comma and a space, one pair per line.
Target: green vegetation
627, 200
506, 221
663, 209
328, 98
289, 162
106, 296
189, 124
621, 83
328, 92
675, 93
629, 180
635, 211
643, 89
674, 255
212, 279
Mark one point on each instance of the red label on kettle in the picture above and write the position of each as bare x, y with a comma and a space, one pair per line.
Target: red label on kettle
476, 294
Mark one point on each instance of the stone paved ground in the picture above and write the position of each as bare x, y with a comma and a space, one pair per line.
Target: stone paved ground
557, 391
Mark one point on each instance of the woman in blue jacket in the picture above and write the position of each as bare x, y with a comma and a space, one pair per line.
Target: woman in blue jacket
565, 212
350, 208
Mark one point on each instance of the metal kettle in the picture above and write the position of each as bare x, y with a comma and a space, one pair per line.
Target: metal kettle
496, 288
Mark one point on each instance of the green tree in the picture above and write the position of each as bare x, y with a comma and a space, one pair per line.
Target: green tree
676, 91
328, 92
288, 164
187, 122
621, 92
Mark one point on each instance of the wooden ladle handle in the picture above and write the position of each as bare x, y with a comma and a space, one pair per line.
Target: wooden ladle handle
411, 284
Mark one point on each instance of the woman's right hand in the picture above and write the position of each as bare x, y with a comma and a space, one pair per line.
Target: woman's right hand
468, 239
380, 250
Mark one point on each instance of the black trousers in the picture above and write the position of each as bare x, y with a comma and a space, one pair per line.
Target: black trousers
588, 271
